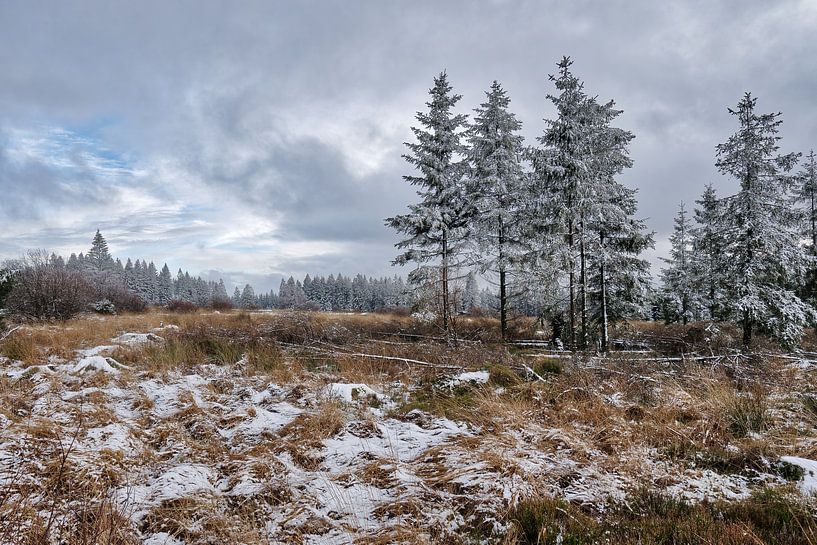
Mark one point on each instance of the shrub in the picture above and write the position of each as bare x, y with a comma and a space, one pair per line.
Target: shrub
43, 290
177, 305
220, 303
6, 283
126, 300
104, 306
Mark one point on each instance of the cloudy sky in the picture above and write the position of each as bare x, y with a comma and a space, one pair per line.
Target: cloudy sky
254, 139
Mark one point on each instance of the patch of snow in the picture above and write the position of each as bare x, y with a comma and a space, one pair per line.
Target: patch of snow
809, 483
697, 486
475, 377
97, 350
352, 392
182, 481
97, 363
137, 339
162, 538
168, 327
268, 421
111, 437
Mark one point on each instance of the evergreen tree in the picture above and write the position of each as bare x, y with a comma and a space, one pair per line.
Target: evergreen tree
237, 297
806, 194
707, 255
220, 291
470, 295
762, 238
678, 277
99, 258
165, 286
562, 170
73, 263
496, 190
436, 226
247, 297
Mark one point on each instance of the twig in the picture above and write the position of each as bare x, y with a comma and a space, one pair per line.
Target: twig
9, 332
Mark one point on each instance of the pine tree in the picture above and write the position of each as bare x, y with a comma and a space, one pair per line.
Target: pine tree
237, 297
678, 277
165, 287
806, 194
562, 172
496, 189
73, 263
437, 226
99, 258
762, 238
470, 295
247, 297
707, 255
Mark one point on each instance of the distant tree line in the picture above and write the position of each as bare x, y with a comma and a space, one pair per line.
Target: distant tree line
45, 285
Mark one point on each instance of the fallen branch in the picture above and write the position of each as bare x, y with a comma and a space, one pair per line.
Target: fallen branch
408, 361
9, 332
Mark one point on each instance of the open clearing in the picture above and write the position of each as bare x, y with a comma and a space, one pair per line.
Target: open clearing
319, 428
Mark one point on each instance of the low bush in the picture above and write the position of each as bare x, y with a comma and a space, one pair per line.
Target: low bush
103, 306
182, 307
43, 290
221, 304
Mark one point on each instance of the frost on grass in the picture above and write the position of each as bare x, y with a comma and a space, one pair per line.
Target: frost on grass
215, 452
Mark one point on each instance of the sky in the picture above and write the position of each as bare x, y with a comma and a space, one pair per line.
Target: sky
249, 140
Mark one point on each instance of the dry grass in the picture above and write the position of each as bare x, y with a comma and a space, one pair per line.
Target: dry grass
729, 419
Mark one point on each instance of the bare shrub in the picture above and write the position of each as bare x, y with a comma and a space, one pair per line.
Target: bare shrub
182, 307
221, 303
43, 290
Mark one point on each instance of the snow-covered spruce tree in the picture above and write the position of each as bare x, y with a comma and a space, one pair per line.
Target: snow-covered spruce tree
562, 170
165, 286
495, 187
762, 230
98, 258
678, 277
237, 297
248, 297
437, 226
611, 238
806, 194
470, 295
708, 270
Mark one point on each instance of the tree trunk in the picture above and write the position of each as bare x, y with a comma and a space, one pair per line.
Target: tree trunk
503, 296
572, 286
604, 322
444, 275
747, 328
583, 282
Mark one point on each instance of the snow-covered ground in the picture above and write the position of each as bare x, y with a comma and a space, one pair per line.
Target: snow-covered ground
319, 460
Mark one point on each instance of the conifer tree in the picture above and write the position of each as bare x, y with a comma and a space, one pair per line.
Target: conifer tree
247, 297
562, 175
762, 231
496, 190
806, 194
678, 276
99, 258
707, 255
165, 286
437, 226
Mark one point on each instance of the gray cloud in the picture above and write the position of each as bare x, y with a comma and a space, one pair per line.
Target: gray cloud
264, 137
